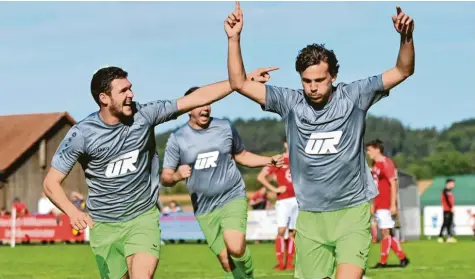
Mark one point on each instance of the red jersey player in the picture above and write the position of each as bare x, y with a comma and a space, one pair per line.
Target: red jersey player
286, 208
384, 205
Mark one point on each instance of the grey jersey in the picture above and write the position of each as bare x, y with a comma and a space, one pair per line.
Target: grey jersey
119, 161
327, 155
215, 178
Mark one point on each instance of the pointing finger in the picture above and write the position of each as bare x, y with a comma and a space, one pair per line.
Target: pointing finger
398, 10
238, 5
269, 69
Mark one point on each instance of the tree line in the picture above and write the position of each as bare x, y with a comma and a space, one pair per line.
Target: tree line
424, 153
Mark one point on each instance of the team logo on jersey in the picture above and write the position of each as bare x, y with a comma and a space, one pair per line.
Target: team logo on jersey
122, 164
323, 143
206, 160
288, 175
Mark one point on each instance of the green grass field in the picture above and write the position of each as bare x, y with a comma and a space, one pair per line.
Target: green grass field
429, 259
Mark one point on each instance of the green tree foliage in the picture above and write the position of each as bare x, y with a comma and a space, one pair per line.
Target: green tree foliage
422, 152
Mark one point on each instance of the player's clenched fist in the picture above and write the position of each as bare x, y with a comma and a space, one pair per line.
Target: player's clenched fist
403, 23
184, 171
281, 189
233, 24
277, 160
80, 220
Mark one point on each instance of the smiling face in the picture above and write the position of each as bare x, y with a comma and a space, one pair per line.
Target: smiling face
119, 101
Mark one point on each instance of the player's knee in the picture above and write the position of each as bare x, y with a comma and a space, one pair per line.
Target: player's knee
385, 232
281, 232
237, 249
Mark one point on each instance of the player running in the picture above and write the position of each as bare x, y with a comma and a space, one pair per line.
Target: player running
116, 149
286, 207
204, 152
325, 127
385, 203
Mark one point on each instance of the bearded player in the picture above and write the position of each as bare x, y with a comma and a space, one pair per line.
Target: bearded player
286, 208
116, 149
325, 125
385, 203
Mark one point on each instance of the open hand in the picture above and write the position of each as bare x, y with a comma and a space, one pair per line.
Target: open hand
233, 24
261, 75
403, 23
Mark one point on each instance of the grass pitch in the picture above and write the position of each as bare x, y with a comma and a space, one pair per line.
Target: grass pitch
429, 260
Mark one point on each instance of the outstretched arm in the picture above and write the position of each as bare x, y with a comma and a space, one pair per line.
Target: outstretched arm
214, 92
255, 91
405, 64
251, 160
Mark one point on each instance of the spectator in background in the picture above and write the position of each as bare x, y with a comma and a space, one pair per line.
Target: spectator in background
78, 200
173, 207
448, 202
259, 200
46, 207
4, 212
20, 207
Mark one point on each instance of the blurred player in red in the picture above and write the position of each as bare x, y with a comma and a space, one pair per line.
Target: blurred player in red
286, 208
385, 204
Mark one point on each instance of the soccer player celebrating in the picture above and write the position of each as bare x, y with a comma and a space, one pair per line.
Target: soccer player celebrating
385, 203
204, 152
325, 127
116, 148
286, 208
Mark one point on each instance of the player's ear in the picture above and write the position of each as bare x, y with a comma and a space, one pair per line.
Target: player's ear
334, 78
104, 98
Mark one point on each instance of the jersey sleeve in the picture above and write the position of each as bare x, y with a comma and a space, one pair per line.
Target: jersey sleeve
161, 111
366, 92
280, 100
238, 144
389, 170
172, 153
69, 151
268, 170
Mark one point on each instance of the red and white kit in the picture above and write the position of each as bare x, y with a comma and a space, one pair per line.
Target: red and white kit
286, 205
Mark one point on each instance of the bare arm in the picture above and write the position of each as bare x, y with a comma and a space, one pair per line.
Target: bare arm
262, 177
237, 76
406, 58
251, 160
393, 193
54, 191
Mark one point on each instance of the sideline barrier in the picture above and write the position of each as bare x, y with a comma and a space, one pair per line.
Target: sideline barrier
38, 228
434, 217
261, 225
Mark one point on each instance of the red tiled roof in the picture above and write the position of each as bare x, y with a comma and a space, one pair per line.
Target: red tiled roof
19, 132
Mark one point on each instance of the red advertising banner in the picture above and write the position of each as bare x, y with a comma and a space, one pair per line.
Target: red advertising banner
38, 229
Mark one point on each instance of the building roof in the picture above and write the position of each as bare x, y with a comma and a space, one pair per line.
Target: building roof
22, 131
464, 190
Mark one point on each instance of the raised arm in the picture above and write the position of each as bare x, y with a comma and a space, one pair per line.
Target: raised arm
214, 92
255, 91
405, 64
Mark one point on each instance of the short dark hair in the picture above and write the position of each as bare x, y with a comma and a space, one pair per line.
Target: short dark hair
377, 143
191, 90
283, 138
314, 54
102, 79
449, 180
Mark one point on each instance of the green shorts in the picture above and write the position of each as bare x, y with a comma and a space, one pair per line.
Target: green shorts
232, 216
112, 243
326, 239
